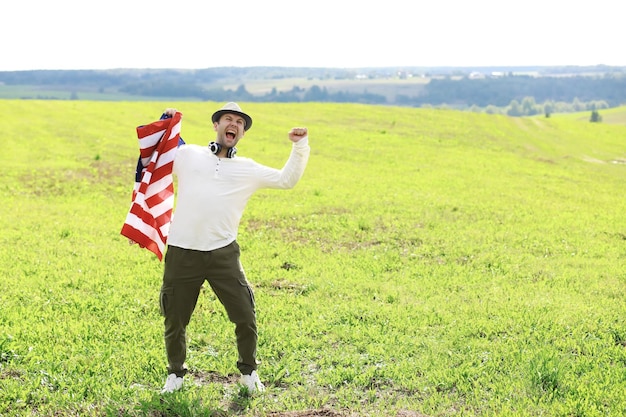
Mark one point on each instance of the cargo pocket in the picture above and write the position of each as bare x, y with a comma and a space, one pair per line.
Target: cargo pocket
241, 277
246, 285
164, 298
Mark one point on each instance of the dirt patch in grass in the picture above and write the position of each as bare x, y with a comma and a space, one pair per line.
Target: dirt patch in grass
307, 413
331, 413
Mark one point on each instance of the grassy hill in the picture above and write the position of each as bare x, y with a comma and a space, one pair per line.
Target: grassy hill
610, 116
430, 263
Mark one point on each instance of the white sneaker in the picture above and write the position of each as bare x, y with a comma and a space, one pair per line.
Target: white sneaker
172, 383
252, 382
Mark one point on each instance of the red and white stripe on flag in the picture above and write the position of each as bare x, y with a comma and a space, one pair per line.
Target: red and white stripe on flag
150, 214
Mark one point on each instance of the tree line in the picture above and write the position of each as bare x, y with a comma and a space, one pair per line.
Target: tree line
499, 91
518, 95
514, 94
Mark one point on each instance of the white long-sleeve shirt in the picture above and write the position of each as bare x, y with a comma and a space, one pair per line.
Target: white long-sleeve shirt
213, 193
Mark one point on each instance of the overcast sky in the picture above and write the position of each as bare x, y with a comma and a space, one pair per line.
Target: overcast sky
63, 34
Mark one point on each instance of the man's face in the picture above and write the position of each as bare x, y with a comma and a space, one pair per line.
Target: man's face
229, 128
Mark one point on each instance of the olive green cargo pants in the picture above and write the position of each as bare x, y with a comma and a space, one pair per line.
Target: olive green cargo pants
184, 274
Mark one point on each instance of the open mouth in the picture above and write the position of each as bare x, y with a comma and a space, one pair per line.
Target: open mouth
231, 134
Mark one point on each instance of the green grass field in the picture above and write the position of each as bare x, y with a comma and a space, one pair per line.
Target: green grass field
429, 263
615, 115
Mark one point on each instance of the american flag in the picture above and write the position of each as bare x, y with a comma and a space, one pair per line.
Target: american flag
148, 220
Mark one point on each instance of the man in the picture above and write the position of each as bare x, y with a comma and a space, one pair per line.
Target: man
214, 186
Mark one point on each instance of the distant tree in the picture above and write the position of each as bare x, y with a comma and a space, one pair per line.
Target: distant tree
403, 99
548, 108
595, 117
597, 105
514, 109
578, 105
529, 107
316, 93
242, 94
491, 109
